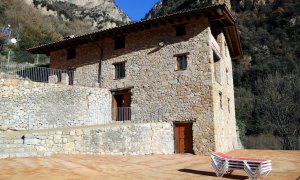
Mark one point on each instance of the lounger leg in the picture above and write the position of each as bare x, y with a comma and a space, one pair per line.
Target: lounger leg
229, 172
252, 175
218, 167
266, 174
247, 170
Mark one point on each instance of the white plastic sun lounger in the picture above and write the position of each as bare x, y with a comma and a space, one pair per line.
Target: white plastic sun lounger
255, 168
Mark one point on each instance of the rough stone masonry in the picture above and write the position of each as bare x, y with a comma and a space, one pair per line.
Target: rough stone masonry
27, 105
122, 139
194, 95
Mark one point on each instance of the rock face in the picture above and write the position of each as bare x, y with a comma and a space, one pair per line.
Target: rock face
101, 14
164, 7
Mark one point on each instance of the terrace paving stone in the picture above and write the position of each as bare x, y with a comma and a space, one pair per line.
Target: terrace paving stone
286, 165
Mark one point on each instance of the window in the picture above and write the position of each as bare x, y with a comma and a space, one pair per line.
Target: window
226, 48
227, 76
182, 62
221, 101
119, 70
217, 68
71, 53
228, 105
180, 30
120, 43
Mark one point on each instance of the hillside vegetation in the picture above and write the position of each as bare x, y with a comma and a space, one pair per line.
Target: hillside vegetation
267, 85
31, 28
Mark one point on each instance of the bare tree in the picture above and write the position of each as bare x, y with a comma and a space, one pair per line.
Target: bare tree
2, 41
279, 103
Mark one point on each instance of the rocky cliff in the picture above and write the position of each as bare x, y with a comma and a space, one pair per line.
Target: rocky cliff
100, 14
164, 7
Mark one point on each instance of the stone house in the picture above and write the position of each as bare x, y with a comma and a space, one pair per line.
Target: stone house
180, 63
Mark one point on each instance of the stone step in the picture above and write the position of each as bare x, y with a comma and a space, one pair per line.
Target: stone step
14, 145
12, 150
4, 155
16, 149
17, 155
7, 145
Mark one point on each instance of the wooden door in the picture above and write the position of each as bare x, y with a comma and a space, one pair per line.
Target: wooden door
126, 109
121, 106
115, 108
184, 138
126, 100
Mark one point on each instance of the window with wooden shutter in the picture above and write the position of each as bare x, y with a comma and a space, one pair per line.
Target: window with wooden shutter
181, 62
119, 70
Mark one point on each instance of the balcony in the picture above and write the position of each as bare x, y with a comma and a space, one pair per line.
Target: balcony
45, 75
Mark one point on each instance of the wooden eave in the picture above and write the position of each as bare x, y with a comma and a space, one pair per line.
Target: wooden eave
219, 13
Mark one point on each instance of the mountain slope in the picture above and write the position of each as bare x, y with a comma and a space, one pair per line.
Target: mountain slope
164, 7
35, 22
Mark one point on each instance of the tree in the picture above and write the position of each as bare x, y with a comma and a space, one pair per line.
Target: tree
244, 101
2, 41
278, 100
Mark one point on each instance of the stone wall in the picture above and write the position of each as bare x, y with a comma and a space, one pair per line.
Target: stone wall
226, 137
186, 95
30, 105
156, 83
125, 139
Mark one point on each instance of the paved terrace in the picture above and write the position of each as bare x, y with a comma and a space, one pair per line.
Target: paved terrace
286, 165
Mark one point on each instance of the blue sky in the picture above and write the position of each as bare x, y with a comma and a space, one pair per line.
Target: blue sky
136, 9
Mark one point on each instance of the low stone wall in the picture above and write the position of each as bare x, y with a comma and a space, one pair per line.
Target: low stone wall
26, 105
122, 139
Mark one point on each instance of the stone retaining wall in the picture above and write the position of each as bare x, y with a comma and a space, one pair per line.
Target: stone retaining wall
31, 105
123, 139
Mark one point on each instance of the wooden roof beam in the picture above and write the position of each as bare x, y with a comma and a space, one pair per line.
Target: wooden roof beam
171, 21
163, 22
197, 16
179, 19
218, 18
133, 29
155, 24
147, 26
141, 28
228, 18
188, 17
108, 35
125, 31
